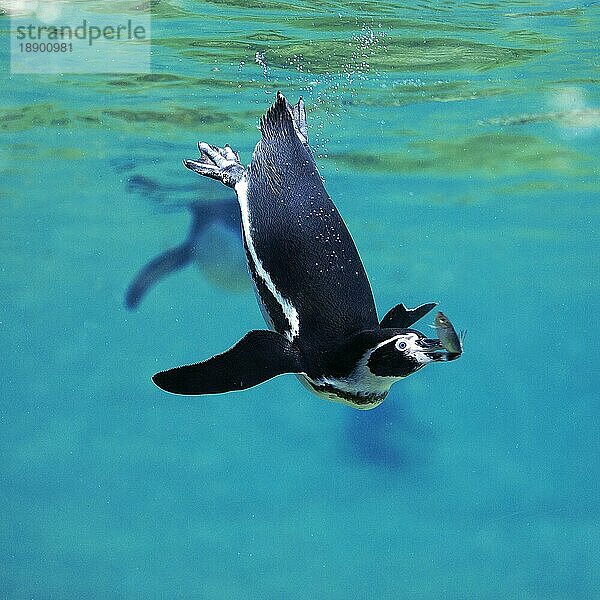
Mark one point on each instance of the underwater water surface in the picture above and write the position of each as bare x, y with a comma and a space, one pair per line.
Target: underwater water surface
460, 142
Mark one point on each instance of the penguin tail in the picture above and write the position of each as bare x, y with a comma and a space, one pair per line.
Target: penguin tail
283, 119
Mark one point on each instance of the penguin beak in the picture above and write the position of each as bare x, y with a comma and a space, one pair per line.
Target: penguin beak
434, 349
430, 345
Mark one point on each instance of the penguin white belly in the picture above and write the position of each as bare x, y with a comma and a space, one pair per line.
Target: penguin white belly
360, 388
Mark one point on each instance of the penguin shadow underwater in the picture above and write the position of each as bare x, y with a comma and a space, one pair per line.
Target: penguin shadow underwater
213, 243
388, 438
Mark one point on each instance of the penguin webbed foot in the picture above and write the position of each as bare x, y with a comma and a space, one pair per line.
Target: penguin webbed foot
222, 164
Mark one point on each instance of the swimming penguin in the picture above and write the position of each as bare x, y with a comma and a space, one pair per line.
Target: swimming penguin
213, 242
309, 280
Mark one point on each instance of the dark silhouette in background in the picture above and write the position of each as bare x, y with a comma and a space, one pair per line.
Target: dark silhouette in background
213, 243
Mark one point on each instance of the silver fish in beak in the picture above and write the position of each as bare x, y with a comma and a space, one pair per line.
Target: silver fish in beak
449, 339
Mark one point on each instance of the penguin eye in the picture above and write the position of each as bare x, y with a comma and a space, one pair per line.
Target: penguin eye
401, 345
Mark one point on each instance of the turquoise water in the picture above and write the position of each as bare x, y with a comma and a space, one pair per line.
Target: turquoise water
460, 141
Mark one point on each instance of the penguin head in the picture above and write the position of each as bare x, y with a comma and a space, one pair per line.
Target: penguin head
404, 352
365, 366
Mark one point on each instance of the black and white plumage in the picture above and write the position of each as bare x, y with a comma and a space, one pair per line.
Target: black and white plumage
309, 280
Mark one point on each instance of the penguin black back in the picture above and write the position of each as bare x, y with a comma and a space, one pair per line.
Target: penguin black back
293, 228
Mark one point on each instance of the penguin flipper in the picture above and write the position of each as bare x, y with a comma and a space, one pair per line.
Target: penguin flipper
222, 164
260, 355
401, 317
170, 261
